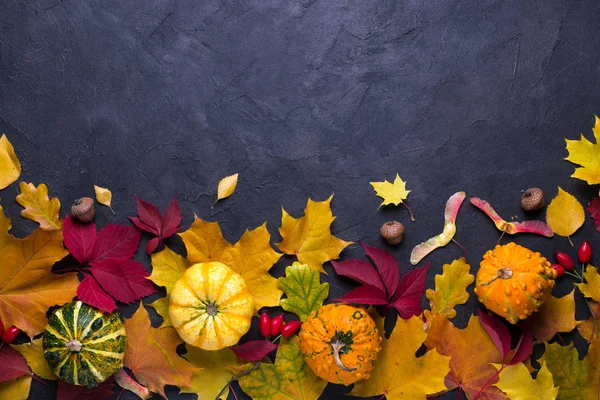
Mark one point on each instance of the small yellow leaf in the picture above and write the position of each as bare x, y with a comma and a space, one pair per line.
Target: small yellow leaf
10, 167
214, 374
391, 193
450, 288
591, 289
564, 214
517, 383
587, 155
16, 389
38, 207
103, 196
226, 186
34, 355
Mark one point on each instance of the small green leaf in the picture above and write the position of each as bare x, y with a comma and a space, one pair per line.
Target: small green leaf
303, 289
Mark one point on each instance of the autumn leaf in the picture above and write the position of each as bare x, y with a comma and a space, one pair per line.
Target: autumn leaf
204, 241
588, 329
254, 350
591, 288
554, 316
450, 288
125, 380
303, 289
27, 285
565, 214
34, 355
103, 196
398, 373
289, 378
586, 154
392, 193
16, 389
152, 356
38, 207
12, 364
125, 280
226, 187
72, 392
10, 167
212, 374
577, 379
309, 237
517, 383
500, 335
594, 209
150, 220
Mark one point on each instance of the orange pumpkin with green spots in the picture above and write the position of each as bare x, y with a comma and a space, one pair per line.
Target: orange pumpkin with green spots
340, 343
514, 281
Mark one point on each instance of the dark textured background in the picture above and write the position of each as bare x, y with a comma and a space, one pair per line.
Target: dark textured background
303, 98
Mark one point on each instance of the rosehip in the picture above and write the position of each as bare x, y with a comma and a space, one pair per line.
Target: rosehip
560, 270
276, 324
10, 334
585, 252
564, 260
264, 325
290, 328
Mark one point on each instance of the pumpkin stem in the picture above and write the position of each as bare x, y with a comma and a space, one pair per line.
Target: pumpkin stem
212, 310
74, 345
337, 346
503, 273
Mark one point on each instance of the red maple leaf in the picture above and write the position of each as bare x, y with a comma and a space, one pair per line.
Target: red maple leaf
12, 364
71, 392
150, 220
254, 350
382, 285
594, 209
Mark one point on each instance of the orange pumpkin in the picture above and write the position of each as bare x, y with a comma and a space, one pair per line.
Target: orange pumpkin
514, 281
340, 343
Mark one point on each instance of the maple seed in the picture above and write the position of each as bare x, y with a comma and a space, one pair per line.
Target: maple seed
392, 232
532, 199
83, 209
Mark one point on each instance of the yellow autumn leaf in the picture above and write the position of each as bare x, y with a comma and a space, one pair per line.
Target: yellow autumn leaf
204, 241
398, 373
391, 193
103, 196
557, 314
517, 383
588, 329
576, 379
34, 355
214, 374
38, 207
450, 288
10, 167
309, 237
564, 214
16, 389
226, 187
586, 154
591, 288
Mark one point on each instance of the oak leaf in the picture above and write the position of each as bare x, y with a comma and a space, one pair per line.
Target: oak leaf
594, 209
577, 379
398, 373
226, 187
152, 356
309, 237
591, 288
557, 314
34, 355
517, 383
564, 214
212, 374
303, 289
16, 389
450, 288
10, 167
103, 196
586, 154
150, 220
38, 207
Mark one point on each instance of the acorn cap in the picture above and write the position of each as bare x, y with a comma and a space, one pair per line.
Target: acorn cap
532, 199
392, 232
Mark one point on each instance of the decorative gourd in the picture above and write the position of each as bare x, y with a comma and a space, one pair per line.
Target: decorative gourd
340, 343
514, 281
210, 306
83, 345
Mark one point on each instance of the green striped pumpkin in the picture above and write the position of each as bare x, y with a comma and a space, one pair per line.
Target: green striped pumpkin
83, 345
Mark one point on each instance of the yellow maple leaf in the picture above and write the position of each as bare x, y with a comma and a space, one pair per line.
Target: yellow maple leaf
214, 374
16, 389
588, 329
392, 193
27, 285
398, 373
517, 383
565, 214
34, 355
591, 288
10, 167
226, 187
557, 314
204, 241
38, 207
309, 237
450, 288
103, 196
586, 154
577, 379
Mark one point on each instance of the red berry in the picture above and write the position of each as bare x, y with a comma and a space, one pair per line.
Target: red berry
564, 260
585, 252
10, 334
276, 324
264, 325
290, 328
1, 329
560, 270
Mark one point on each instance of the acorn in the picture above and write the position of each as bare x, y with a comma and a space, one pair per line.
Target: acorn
83, 209
392, 232
532, 199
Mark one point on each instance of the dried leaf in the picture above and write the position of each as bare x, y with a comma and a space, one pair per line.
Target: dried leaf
391, 193
103, 196
212, 374
226, 186
34, 355
517, 383
591, 288
38, 207
10, 167
565, 214
17, 389
594, 209
309, 237
254, 350
557, 314
586, 154
450, 288
303, 289
576, 379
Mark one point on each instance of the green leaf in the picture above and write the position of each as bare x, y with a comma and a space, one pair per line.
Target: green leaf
577, 379
303, 289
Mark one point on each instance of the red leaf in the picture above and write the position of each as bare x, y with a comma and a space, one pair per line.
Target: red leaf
152, 245
524, 348
149, 220
386, 265
140, 224
408, 307
71, 392
171, 220
497, 331
12, 364
594, 209
125, 280
365, 294
149, 215
255, 350
91, 293
115, 242
79, 238
407, 299
361, 271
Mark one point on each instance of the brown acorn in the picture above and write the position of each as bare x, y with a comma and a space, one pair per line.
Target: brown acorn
83, 209
532, 199
392, 232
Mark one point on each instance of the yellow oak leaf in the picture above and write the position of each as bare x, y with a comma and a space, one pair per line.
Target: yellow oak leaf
34, 355
214, 374
226, 187
391, 193
151, 354
16, 389
10, 167
38, 207
204, 241
577, 379
517, 383
103, 196
398, 373
27, 285
564, 214
591, 288
557, 314
586, 154
450, 288
289, 378
309, 237
304, 290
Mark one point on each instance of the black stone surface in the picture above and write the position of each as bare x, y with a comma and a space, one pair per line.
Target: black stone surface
303, 99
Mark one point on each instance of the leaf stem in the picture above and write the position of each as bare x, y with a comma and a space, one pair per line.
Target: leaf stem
460, 245
238, 376
575, 275
501, 236
569, 237
39, 380
412, 217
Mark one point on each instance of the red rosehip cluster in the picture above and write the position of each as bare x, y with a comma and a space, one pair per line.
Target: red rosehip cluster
565, 262
277, 326
9, 335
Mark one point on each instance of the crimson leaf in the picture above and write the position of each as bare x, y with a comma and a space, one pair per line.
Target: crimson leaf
360, 271
407, 298
255, 350
497, 331
103, 391
12, 364
594, 209
387, 266
90, 292
79, 238
150, 220
125, 280
365, 294
115, 242
524, 348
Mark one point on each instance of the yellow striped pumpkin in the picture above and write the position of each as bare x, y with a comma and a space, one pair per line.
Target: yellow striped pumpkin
83, 345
